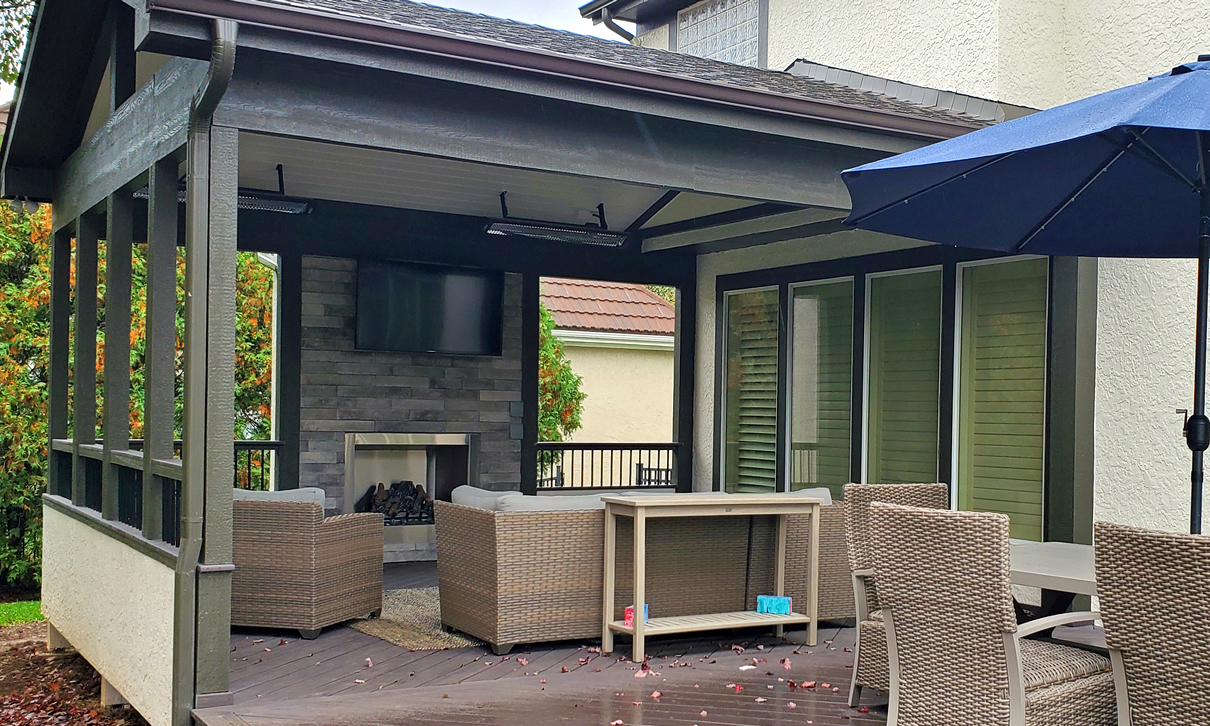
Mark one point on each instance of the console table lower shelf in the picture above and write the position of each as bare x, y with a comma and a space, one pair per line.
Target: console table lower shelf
711, 621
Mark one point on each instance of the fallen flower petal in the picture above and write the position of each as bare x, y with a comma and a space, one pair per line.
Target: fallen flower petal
791, 704
761, 700
656, 694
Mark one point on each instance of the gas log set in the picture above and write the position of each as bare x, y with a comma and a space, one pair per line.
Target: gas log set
402, 503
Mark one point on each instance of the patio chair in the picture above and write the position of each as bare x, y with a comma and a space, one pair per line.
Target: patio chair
296, 569
956, 653
870, 668
1152, 587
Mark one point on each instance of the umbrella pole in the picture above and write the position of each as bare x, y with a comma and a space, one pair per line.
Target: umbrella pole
1197, 428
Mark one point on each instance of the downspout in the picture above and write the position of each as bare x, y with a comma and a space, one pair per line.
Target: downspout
193, 484
607, 19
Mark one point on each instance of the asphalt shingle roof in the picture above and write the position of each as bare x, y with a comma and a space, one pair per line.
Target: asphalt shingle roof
610, 307
484, 28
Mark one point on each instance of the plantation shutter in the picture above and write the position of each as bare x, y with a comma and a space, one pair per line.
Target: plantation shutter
751, 395
1003, 406
904, 377
821, 386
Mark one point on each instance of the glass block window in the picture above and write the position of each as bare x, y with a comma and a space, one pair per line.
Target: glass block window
723, 30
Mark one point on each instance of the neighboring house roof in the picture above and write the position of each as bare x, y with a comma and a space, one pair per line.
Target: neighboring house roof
607, 307
483, 28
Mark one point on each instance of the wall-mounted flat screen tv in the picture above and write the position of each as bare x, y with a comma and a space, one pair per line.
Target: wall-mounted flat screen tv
416, 308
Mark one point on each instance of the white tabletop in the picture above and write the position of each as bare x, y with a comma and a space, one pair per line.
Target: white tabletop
1060, 566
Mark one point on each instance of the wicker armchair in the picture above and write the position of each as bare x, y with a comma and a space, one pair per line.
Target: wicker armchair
295, 569
957, 655
870, 669
1152, 587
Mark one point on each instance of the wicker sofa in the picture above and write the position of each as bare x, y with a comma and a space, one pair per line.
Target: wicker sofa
296, 569
510, 577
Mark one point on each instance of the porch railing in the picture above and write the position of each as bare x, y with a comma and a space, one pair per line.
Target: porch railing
565, 465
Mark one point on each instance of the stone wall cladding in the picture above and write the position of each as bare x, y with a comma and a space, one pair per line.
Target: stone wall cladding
345, 390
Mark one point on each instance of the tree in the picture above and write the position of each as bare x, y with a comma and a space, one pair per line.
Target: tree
14, 24
560, 400
24, 359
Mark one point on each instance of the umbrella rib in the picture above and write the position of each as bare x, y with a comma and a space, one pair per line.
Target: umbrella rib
853, 221
1157, 156
1071, 198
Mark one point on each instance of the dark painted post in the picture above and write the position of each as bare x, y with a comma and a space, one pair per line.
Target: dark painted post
531, 291
84, 372
59, 372
121, 55
683, 378
947, 392
856, 421
116, 421
159, 390
214, 572
287, 407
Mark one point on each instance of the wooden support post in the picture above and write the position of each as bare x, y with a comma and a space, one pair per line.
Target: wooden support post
84, 426
116, 422
60, 338
531, 291
685, 361
214, 575
607, 589
640, 586
159, 390
286, 408
121, 55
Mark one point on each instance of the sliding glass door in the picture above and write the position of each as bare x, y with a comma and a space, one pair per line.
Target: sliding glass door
904, 377
821, 381
1002, 396
750, 397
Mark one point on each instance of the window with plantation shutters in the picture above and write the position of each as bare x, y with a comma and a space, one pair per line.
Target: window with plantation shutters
821, 381
1002, 413
750, 397
904, 377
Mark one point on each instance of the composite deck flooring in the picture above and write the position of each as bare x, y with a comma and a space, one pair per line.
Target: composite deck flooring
279, 680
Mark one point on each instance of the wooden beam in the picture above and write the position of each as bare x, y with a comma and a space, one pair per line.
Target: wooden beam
153, 125
84, 372
59, 371
531, 292
118, 248
159, 389
342, 229
324, 101
287, 406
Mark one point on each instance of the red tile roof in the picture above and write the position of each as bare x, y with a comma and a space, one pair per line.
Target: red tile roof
612, 307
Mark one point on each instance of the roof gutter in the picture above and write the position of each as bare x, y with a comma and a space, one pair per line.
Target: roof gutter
437, 43
193, 484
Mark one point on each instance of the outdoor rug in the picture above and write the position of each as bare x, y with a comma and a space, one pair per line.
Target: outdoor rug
412, 619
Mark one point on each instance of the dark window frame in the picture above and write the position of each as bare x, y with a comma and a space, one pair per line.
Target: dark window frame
1069, 357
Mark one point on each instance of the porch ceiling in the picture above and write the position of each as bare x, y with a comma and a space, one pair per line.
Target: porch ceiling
342, 173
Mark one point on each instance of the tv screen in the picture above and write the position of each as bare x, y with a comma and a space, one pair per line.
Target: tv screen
429, 309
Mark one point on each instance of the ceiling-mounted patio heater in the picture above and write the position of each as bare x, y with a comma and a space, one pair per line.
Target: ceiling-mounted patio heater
257, 200
592, 233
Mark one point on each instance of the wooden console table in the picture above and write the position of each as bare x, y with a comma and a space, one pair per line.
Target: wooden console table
642, 508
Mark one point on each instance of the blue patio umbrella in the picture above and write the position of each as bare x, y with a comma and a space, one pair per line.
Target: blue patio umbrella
1120, 174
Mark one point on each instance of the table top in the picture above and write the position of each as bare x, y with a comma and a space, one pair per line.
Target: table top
711, 504
1060, 566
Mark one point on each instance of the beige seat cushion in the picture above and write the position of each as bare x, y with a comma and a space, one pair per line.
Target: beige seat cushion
313, 495
469, 496
514, 502
1048, 664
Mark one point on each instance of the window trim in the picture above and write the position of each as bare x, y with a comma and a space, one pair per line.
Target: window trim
720, 369
865, 409
785, 463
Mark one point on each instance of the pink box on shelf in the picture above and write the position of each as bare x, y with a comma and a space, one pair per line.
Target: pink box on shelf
628, 619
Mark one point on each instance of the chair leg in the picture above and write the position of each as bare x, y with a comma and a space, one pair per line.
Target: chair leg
854, 689
502, 648
310, 634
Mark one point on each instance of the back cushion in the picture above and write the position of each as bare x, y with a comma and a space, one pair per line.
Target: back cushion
313, 495
514, 502
469, 496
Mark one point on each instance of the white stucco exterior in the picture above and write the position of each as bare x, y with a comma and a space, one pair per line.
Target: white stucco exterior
628, 387
115, 606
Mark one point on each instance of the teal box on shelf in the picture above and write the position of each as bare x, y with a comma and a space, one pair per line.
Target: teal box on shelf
774, 604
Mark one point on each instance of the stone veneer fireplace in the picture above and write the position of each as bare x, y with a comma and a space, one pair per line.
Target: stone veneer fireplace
349, 391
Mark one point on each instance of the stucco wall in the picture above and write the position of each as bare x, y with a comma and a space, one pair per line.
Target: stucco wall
629, 394
780, 254
114, 605
1037, 53
655, 38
